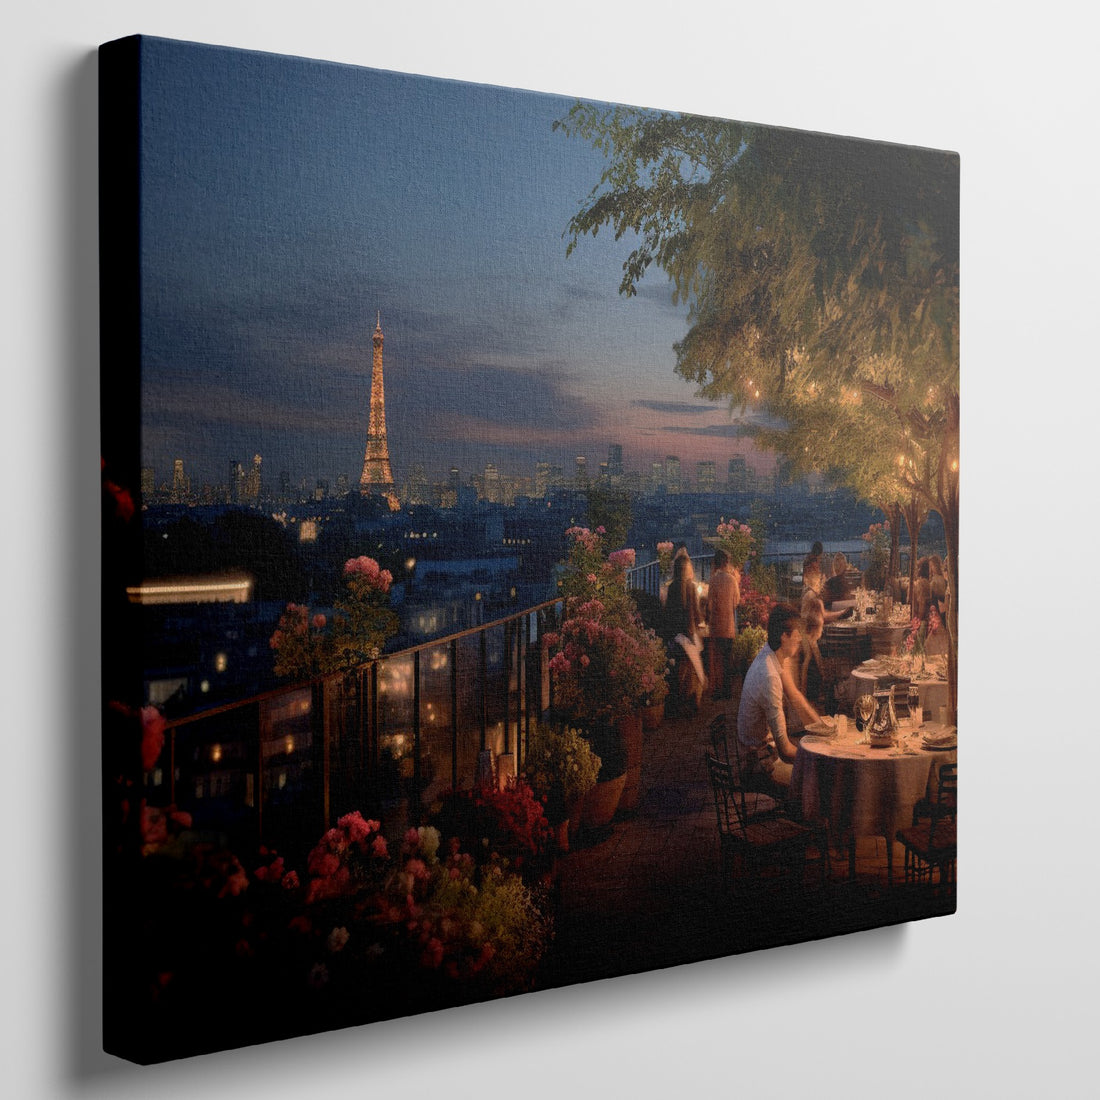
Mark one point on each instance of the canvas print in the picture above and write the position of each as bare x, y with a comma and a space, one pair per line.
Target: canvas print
530, 541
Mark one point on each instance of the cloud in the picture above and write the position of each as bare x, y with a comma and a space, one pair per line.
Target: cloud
674, 408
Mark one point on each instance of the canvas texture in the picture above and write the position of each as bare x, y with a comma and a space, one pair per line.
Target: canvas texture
436, 418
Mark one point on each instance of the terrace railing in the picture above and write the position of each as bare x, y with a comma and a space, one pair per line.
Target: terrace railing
384, 737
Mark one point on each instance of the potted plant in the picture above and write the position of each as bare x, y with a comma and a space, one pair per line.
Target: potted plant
561, 768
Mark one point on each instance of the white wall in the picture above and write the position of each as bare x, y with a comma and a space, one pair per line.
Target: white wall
996, 1001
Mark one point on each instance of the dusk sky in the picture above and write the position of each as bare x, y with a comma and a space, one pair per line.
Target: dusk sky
287, 202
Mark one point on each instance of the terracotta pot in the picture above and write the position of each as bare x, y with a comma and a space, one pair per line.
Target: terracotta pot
601, 802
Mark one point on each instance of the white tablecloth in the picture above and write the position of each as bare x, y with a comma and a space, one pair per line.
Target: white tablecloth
859, 790
933, 690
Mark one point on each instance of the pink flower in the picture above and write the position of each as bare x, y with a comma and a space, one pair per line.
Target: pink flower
432, 957
291, 881
319, 621
378, 848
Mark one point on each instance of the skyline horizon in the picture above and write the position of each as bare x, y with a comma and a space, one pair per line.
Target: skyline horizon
274, 231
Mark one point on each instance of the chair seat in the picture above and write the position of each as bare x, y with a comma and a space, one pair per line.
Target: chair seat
921, 839
768, 832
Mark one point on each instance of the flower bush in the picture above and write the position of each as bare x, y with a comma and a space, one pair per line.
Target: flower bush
510, 822
746, 645
736, 539
411, 926
560, 765
755, 606
664, 558
306, 644
604, 669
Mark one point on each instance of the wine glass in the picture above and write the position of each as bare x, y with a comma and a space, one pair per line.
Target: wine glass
865, 708
916, 715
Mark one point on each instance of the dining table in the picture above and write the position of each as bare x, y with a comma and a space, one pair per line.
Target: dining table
878, 672
859, 789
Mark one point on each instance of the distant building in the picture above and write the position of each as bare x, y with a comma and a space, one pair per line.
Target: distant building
672, 473
615, 460
580, 472
737, 475
542, 478
181, 486
705, 477
148, 483
253, 481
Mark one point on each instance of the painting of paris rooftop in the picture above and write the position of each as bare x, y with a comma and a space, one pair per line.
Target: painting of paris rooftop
530, 542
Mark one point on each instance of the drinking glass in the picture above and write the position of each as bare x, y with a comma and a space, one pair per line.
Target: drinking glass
916, 715
865, 708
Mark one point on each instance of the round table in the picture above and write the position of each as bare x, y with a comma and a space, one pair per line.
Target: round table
863, 791
933, 690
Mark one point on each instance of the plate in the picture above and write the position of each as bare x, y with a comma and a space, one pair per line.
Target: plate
822, 728
939, 748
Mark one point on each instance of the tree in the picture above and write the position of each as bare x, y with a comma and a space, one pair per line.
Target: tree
821, 276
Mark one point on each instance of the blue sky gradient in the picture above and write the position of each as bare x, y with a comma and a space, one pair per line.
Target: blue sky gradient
286, 202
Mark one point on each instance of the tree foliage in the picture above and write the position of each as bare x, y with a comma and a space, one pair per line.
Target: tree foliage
821, 276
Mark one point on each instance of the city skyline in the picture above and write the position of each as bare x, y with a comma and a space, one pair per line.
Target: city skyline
276, 230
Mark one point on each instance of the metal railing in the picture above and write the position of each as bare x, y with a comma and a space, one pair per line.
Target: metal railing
385, 737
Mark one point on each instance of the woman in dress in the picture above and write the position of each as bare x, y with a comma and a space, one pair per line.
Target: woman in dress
681, 619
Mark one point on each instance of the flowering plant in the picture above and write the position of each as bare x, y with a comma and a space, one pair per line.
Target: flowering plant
604, 668
349, 855
755, 606
919, 632
489, 820
560, 763
306, 644
736, 539
664, 557
589, 576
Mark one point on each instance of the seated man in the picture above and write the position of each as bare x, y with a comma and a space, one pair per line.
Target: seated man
767, 754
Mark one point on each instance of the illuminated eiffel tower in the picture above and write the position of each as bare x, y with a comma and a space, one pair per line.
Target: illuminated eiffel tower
377, 476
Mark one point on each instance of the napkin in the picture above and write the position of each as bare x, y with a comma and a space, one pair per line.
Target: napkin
945, 736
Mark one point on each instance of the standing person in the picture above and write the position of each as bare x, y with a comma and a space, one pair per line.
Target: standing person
681, 619
837, 589
722, 601
796, 671
767, 754
922, 591
937, 583
812, 577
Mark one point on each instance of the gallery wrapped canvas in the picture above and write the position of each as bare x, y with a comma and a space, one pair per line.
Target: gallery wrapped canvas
530, 541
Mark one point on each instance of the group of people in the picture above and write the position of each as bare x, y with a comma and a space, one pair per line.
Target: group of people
683, 615
788, 673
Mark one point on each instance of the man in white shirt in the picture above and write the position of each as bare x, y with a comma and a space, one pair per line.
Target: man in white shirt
767, 754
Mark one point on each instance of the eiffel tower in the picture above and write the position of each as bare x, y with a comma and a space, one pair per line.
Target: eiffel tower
377, 476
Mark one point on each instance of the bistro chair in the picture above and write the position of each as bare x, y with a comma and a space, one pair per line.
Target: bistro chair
930, 842
756, 803
752, 841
